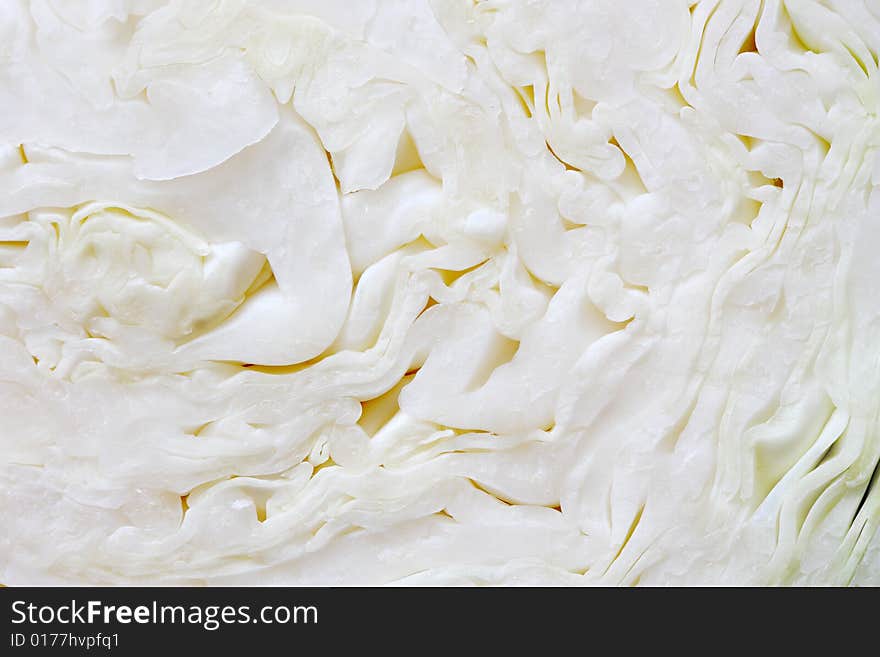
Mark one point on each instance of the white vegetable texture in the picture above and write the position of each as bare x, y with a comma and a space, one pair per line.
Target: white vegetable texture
439, 292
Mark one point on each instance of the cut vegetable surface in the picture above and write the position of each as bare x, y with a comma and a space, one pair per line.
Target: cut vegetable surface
325, 292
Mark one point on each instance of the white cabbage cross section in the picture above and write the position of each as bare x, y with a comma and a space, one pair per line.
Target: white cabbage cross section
439, 292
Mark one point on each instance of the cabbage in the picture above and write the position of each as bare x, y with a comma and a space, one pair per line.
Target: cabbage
439, 292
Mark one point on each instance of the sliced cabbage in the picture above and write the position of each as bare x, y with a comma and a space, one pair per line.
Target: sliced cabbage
439, 292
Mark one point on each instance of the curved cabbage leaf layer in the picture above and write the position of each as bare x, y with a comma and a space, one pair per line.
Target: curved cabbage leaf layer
439, 291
